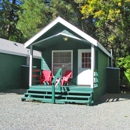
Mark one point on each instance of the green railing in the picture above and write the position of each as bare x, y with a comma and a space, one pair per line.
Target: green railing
95, 78
56, 83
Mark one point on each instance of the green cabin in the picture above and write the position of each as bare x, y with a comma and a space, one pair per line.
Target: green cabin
65, 47
14, 58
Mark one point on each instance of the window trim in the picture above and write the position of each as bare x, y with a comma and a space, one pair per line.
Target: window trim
63, 51
83, 50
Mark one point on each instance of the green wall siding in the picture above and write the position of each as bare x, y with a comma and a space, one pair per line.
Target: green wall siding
10, 70
47, 56
102, 64
46, 60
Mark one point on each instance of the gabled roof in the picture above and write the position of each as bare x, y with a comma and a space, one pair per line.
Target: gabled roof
83, 36
14, 48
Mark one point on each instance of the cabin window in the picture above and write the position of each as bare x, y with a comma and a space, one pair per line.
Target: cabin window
86, 60
62, 59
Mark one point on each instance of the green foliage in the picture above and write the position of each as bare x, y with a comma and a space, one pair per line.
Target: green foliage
9, 19
36, 14
112, 18
125, 63
63, 9
32, 17
21, 21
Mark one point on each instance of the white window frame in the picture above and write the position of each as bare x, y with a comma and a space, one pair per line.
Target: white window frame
63, 51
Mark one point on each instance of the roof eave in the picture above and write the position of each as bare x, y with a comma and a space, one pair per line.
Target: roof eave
70, 26
65, 23
103, 49
46, 28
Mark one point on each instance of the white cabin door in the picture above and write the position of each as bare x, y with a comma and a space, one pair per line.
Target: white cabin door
84, 67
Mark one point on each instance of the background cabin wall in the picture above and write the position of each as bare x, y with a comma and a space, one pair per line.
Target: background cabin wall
10, 70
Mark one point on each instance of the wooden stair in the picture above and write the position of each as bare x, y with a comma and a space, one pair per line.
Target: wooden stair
68, 94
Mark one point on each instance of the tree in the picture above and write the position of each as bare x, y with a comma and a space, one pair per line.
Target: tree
9, 19
124, 62
32, 17
86, 25
36, 14
111, 18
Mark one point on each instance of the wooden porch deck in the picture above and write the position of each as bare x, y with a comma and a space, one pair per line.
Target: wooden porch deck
67, 94
56, 93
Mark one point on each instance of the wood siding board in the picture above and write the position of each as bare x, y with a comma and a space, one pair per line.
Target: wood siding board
102, 64
10, 71
96, 58
46, 60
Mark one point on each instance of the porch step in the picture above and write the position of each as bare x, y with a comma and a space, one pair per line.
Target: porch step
36, 99
44, 94
56, 101
71, 101
56, 95
74, 100
42, 90
77, 89
40, 95
79, 92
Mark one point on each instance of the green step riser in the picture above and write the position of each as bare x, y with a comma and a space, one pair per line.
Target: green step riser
82, 91
50, 92
59, 91
61, 94
67, 98
37, 99
59, 101
69, 89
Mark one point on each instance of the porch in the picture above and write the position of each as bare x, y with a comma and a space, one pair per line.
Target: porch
56, 93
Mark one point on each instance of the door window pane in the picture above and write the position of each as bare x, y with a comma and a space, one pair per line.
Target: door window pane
86, 60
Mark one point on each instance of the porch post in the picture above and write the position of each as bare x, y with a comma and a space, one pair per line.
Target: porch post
30, 66
92, 65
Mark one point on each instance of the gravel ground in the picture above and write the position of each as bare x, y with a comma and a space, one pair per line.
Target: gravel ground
111, 112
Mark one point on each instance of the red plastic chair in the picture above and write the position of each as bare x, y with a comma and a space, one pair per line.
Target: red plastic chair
46, 77
66, 77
